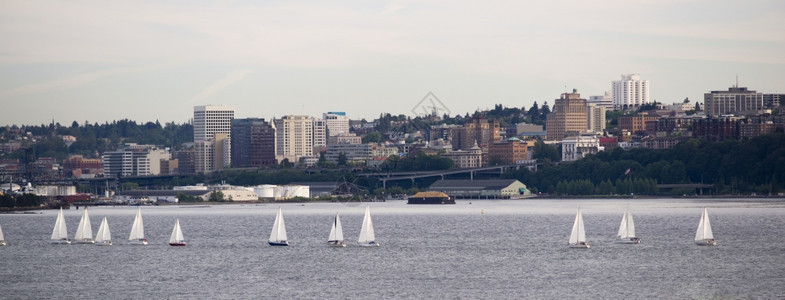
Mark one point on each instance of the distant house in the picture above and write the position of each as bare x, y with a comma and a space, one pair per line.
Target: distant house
481, 189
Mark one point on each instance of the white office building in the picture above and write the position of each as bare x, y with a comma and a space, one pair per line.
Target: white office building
209, 121
577, 147
337, 123
629, 92
595, 114
294, 137
319, 133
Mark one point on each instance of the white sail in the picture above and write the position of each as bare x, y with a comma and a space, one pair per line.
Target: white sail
704, 228
627, 226
336, 233
2, 237
278, 233
60, 232
177, 234
103, 235
137, 231
578, 234
84, 232
366, 232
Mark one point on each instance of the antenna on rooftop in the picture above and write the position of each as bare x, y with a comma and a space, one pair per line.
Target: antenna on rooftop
737, 80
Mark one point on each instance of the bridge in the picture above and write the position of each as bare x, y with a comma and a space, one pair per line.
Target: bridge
395, 176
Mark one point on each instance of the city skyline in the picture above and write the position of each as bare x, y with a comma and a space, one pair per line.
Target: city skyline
147, 61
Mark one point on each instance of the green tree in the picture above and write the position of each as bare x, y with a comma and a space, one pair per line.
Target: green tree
342, 159
372, 137
216, 196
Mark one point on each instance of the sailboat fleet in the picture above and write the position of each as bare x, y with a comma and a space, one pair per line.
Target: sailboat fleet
367, 238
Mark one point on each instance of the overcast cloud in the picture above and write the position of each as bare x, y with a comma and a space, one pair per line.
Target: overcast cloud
154, 60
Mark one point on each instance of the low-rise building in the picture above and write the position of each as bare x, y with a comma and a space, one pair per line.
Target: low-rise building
464, 159
577, 147
508, 152
481, 189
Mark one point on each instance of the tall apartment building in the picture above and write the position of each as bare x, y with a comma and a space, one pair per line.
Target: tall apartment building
568, 117
595, 116
253, 143
320, 133
337, 122
212, 152
736, 100
629, 92
294, 137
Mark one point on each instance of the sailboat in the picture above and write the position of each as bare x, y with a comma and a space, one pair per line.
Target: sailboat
59, 232
84, 232
627, 230
103, 237
2, 238
336, 234
137, 231
704, 236
367, 237
278, 235
578, 235
177, 235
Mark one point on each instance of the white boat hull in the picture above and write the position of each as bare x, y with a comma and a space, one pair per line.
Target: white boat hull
706, 243
369, 244
3, 243
336, 243
60, 242
580, 246
85, 241
629, 241
141, 242
103, 243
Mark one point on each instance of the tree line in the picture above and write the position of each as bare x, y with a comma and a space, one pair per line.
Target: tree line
734, 167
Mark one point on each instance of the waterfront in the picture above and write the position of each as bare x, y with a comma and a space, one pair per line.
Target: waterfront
515, 249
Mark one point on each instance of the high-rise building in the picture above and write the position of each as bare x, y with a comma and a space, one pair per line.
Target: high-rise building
212, 119
337, 123
773, 100
253, 143
320, 133
212, 152
568, 117
629, 92
595, 114
294, 137
606, 100
736, 100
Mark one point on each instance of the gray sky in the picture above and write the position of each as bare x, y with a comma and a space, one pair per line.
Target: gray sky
154, 60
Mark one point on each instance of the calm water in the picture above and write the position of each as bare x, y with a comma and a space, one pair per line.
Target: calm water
516, 249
